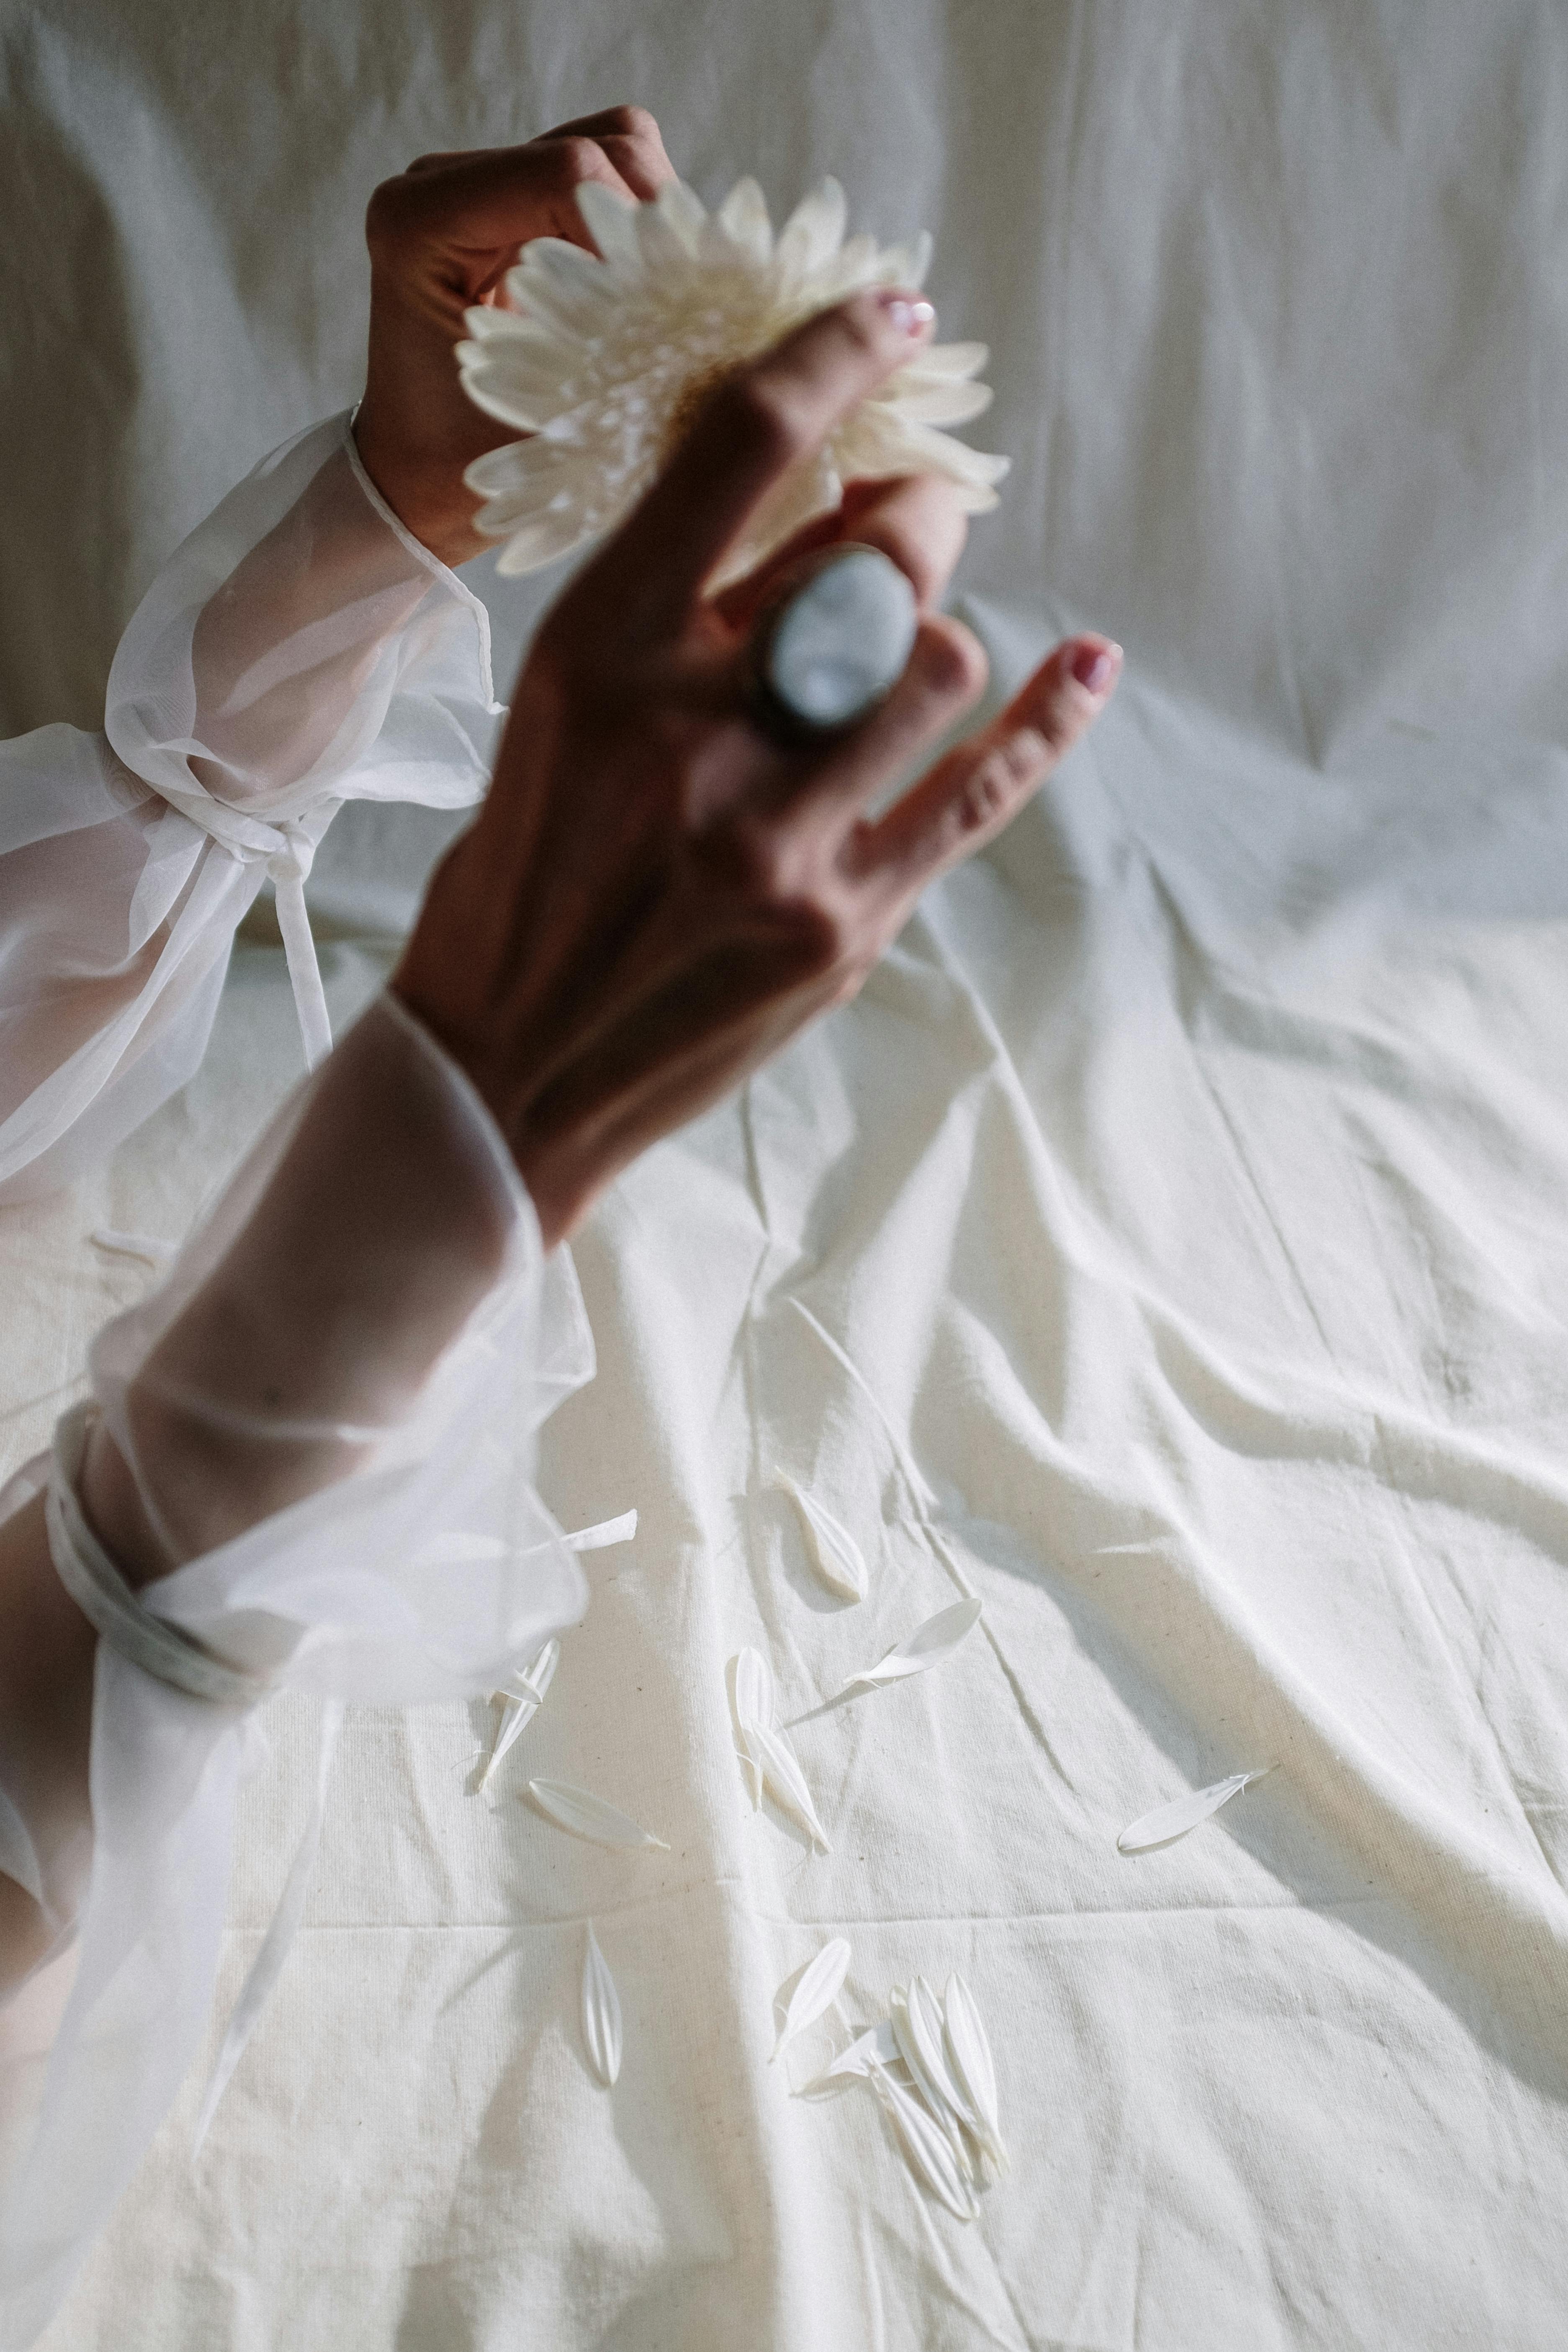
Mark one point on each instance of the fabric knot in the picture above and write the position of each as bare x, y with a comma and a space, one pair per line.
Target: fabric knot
296, 852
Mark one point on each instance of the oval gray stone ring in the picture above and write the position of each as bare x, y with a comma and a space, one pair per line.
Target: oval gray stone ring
833, 643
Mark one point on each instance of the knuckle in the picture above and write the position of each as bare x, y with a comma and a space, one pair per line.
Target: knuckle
996, 784
385, 216
632, 122
575, 159
951, 665
821, 934
773, 883
1057, 724
860, 322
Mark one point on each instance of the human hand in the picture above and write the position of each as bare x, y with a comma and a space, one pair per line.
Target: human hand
442, 236
657, 895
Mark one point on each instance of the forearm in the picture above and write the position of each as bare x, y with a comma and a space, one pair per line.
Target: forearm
383, 1225
47, 1651
287, 643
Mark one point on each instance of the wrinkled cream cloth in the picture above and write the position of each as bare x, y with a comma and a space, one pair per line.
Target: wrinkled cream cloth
299, 650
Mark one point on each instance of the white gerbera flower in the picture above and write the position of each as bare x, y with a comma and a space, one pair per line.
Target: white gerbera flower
605, 362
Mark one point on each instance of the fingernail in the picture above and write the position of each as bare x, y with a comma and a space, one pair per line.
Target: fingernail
1094, 666
906, 317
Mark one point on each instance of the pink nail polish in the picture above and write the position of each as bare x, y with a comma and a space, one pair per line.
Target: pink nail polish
906, 317
1094, 668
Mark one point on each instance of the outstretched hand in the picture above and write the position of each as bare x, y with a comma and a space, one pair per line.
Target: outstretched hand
657, 893
442, 236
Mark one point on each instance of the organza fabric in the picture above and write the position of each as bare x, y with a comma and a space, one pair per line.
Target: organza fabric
381, 1541
301, 649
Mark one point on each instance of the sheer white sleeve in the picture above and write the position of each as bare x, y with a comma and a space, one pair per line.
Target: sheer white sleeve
377, 1537
299, 650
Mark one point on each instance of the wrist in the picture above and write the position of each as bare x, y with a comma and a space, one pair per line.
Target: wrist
423, 489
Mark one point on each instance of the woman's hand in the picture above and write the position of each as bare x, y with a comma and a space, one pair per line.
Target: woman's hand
657, 894
442, 236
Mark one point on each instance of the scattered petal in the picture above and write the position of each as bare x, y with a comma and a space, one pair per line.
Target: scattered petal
929, 1646
942, 2112
926, 2147
1185, 1813
519, 1704
924, 2023
781, 1770
606, 1532
588, 1816
876, 2047
753, 1703
816, 1988
974, 2070
601, 2013
833, 1550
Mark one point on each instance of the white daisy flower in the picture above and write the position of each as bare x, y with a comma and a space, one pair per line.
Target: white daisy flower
605, 362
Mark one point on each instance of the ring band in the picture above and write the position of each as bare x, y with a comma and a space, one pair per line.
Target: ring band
832, 644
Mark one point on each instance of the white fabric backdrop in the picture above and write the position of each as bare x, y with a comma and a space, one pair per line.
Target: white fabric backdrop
1187, 1186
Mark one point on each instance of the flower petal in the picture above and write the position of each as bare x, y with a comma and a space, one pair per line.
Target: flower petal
906, 264
781, 1770
601, 2013
923, 2017
684, 211
937, 403
929, 1646
611, 222
535, 1683
941, 2111
816, 1988
537, 544
1183, 1813
833, 1550
944, 363
752, 1703
588, 1816
876, 2046
743, 218
812, 235
972, 2068
926, 2147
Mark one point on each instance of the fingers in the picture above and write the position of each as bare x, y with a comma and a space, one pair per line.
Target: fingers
916, 521
631, 137
763, 419
492, 201
979, 788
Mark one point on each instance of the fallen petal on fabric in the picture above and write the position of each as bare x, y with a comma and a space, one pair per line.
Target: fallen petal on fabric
752, 1703
781, 1770
590, 1817
816, 1988
601, 2013
973, 2067
930, 1645
876, 2047
831, 1548
1183, 1813
925, 2144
